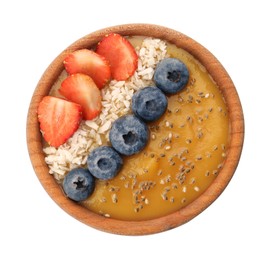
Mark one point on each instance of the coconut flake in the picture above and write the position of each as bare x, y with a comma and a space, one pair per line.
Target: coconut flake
116, 102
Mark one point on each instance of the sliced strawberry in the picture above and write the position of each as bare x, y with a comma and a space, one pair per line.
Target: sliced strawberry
81, 89
59, 119
121, 55
88, 62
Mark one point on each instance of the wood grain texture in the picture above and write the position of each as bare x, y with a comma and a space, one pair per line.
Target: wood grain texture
215, 69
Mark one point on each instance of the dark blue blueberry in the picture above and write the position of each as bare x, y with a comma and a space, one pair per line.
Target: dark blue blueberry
171, 75
78, 184
128, 135
104, 162
149, 103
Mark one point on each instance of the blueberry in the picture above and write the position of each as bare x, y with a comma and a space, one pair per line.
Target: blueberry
128, 135
171, 75
104, 162
149, 103
78, 184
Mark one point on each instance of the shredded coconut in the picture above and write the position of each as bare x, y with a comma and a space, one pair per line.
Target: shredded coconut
116, 102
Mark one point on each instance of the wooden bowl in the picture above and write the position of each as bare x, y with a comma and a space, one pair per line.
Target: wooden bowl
221, 77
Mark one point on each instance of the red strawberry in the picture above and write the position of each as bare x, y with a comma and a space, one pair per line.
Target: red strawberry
59, 119
121, 55
81, 89
88, 62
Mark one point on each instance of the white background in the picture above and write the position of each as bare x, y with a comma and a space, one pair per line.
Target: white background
236, 226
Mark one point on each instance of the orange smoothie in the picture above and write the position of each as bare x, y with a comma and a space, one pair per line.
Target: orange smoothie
185, 152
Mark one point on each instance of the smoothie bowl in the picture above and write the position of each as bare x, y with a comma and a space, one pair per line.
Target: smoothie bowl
135, 129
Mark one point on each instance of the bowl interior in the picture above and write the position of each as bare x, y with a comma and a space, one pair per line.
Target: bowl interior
220, 76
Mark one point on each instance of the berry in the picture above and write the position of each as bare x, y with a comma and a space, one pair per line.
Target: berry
90, 63
59, 119
104, 162
121, 56
128, 135
149, 103
171, 75
78, 184
81, 89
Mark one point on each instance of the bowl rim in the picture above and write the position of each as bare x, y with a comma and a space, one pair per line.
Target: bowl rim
226, 86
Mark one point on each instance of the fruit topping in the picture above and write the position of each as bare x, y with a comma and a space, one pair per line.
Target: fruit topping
149, 103
128, 135
78, 184
104, 162
59, 119
90, 63
121, 55
81, 89
171, 75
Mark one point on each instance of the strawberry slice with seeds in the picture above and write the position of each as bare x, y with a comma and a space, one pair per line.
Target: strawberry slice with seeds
81, 89
88, 62
59, 119
121, 55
